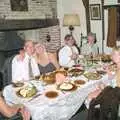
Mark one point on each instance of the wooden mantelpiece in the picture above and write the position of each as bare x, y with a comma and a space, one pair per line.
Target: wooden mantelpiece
26, 24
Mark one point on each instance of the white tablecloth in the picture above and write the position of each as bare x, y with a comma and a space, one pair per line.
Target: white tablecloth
61, 108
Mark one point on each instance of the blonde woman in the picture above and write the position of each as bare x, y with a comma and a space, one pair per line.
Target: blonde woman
46, 61
116, 60
113, 76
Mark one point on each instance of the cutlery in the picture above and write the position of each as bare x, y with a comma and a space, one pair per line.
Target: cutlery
63, 92
11, 102
34, 97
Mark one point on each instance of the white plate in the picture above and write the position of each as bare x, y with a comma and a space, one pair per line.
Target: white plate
66, 86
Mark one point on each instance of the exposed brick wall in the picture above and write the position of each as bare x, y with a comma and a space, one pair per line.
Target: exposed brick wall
54, 33
36, 9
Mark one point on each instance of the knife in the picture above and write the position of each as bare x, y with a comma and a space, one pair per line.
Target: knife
34, 97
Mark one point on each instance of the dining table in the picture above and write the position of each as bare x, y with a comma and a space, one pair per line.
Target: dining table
62, 107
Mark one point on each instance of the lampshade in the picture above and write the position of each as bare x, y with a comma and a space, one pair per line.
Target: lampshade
71, 20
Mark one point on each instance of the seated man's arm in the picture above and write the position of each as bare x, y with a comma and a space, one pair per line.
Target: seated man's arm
6, 110
15, 71
9, 111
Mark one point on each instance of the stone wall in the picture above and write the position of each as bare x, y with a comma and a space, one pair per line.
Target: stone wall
37, 9
54, 33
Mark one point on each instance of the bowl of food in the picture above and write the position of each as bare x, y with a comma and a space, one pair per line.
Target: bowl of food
48, 78
51, 94
106, 58
18, 84
75, 72
79, 82
64, 72
27, 91
101, 72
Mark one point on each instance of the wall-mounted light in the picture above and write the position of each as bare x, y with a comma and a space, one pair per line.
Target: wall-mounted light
48, 37
71, 20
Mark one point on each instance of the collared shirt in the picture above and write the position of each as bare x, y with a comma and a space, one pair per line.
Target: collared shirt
87, 49
65, 56
20, 69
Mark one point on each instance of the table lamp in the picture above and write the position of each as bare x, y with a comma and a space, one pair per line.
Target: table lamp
71, 20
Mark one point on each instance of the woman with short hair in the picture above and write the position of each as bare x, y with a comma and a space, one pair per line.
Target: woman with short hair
90, 47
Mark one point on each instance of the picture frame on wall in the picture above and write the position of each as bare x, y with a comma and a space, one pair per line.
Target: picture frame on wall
19, 5
95, 12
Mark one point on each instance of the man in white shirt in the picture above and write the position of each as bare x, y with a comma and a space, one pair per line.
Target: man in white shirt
20, 64
69, 53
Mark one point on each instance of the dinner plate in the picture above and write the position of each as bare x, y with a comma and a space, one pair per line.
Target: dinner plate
24, 93
92, 76
67, 86
18, 84
101, 72
51, 94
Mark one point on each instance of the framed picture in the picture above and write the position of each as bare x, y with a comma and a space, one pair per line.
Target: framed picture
95, 12
118, 1
19, 5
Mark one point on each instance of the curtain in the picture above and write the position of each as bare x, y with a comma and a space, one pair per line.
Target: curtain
86, 4
112, 27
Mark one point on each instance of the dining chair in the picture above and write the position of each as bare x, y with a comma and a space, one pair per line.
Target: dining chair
83, 40
7, 71
1, 81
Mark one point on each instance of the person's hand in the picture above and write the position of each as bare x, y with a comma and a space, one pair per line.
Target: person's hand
107, 69
25, 113
101, 86
109, 72
94, 94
